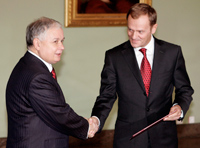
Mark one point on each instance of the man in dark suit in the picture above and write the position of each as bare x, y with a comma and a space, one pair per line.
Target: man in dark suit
38, 116
143, 100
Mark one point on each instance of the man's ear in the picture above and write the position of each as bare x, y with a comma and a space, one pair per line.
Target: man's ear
154, 27
36, 43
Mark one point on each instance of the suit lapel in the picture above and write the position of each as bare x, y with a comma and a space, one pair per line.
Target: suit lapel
131, 60
157, 60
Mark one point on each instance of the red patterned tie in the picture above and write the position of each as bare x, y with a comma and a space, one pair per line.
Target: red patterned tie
145, 70
53, 73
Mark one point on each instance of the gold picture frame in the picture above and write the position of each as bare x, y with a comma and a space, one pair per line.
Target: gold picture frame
75, 19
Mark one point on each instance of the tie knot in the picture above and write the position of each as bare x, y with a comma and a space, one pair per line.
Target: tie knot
143, 51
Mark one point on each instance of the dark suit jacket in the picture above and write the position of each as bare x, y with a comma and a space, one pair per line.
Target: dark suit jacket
38, 116
121, 78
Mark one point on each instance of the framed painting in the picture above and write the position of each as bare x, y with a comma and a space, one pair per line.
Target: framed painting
88, 13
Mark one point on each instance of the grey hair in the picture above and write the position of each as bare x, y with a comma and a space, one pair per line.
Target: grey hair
38, 28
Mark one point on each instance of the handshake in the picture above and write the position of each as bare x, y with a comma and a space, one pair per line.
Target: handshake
93, 126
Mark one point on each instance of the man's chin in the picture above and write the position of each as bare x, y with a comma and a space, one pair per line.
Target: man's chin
135, 45
54, 62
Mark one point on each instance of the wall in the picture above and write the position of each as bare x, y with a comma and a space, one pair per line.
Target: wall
82, 61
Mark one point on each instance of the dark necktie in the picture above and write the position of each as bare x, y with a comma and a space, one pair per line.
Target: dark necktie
145, 70
53, 73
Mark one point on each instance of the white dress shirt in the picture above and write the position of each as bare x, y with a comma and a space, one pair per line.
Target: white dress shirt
149, 53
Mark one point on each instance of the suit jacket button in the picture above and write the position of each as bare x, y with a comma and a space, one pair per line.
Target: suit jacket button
147, 109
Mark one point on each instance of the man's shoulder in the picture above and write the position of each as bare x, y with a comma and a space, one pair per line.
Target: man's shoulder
28, 67
120, 47
165, 43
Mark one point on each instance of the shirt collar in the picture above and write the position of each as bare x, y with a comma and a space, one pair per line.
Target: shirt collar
49, 66
149, 46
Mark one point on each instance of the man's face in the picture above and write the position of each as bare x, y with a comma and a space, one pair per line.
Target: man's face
140, 31
51, 47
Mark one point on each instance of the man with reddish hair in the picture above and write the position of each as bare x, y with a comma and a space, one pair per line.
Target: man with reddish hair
142, 73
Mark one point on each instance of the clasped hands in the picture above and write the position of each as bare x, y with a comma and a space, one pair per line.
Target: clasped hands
93, 126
